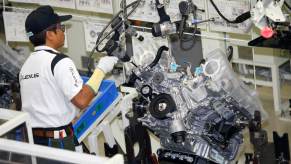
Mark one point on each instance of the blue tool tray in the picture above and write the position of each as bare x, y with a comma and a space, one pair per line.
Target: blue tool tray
106, 95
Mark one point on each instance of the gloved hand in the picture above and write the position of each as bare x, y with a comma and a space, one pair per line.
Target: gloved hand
106, 63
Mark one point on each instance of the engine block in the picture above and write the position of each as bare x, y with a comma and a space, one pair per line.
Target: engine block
202, 114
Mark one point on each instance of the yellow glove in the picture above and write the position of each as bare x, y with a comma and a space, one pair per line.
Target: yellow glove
95, 80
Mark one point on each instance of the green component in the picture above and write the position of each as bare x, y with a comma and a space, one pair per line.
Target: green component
98, 107
81, 127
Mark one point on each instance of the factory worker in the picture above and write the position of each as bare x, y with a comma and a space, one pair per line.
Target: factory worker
50, 84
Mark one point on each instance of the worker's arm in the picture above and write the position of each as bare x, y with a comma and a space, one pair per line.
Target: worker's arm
90, 89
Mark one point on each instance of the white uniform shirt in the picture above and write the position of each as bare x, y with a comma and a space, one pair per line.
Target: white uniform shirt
47, 97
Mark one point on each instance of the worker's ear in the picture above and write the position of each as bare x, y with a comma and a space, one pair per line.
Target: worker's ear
50, 35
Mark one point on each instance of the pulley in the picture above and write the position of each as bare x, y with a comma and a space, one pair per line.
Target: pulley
146, 91
161, 105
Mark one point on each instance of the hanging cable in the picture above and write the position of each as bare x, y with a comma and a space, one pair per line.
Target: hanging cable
183, 39
135, 4
243, 17
101, 38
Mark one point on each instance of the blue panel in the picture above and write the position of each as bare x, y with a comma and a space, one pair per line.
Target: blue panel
106, 95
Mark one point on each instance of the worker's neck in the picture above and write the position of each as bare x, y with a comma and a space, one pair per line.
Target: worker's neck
54, 46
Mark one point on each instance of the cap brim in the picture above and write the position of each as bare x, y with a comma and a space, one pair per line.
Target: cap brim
64, 18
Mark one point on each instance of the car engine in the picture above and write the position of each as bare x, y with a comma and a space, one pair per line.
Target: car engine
199, 115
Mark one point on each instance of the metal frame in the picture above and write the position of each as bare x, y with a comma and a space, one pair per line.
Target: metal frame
275, 83
113, 127
105, 126
100, 118
55, 154
14, 119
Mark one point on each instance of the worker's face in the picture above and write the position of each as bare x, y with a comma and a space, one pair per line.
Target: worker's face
57, 35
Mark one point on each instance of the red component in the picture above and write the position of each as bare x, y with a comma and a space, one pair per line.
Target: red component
267, 32
61, 134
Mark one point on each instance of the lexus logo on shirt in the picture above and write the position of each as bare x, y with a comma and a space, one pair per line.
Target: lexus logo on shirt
74, 76
29, 76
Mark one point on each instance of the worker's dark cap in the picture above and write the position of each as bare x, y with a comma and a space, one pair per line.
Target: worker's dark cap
42, 18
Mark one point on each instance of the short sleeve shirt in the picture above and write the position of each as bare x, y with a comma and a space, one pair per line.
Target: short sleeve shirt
47, 96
